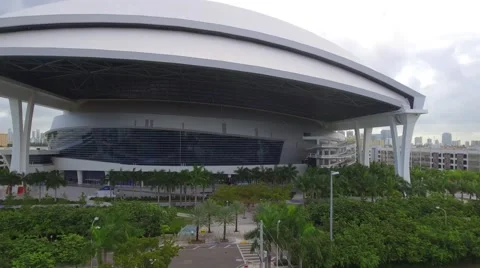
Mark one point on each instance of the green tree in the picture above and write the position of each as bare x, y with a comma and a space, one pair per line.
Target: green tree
54, 180
72, 249
198, 176
225, 215
237, 208
199, 217
157, 180
145, 253
211, 209
10, 179
113, 178
34, 260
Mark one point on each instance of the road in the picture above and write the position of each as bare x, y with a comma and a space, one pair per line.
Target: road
224, 255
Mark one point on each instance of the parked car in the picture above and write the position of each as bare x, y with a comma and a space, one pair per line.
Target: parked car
106, 191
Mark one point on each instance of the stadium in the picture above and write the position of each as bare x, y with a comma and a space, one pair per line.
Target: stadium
170, 84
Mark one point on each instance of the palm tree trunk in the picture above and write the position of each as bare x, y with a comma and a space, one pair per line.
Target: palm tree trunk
158, 194
236, 223
185, 191
39, 192
55, 193
195, 193
203, 195
198, 229
300, 262
461, 196
169, 198
105, 252
224, 230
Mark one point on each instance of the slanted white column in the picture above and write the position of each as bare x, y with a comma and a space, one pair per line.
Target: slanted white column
409, 120
80, 177
17, 125
395, 145
27, 129
21, 134
367, 141
357, 139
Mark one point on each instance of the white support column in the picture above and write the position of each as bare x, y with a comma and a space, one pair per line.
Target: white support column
17, 125
395, 145
21, 134
367, 141
357, 139
409, 121
27, 129
80, 177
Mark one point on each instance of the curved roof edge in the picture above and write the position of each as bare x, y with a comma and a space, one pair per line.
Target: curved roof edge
27, 23
88, 53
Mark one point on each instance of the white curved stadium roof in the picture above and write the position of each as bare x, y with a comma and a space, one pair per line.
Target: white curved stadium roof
186, 51
198, 11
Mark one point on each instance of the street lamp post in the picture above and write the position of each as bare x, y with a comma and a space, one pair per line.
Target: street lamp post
91, 239
278, 230
332, 173
445, 212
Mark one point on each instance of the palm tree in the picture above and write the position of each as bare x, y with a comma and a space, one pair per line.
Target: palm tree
205, 180
211, 209
225, 215
112, 178
183, 179
237, 208
198, 177
198, 218
218, 177
54, 180
37, 178
156, 181
170, 185
243, 174
9, 179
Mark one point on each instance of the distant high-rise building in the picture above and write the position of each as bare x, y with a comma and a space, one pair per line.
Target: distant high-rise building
475, 143
429, 141
467, 144
447, 138
43, 138
342, 132
37, 136
388, 141
456, 143
437, 142
386, 134
376, 137
418, 141
10, 135
349, 134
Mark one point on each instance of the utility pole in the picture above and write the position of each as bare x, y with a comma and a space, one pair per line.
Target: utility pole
278, 244
261, 244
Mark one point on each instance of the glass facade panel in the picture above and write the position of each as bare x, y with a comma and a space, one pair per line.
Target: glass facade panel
133, 146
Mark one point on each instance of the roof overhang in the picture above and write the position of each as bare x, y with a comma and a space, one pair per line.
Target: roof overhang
29, 23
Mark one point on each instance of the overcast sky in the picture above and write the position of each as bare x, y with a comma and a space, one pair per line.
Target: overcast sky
431, 46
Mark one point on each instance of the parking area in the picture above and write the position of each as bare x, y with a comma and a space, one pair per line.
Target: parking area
213, 255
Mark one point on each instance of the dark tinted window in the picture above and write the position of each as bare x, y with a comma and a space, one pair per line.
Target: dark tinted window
163, 147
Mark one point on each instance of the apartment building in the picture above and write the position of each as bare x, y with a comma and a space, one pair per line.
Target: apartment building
439, 158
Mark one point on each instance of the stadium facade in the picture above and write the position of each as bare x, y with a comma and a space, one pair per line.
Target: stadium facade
174, 83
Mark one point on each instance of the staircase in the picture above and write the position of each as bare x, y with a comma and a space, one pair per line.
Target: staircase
250, 258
